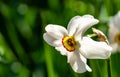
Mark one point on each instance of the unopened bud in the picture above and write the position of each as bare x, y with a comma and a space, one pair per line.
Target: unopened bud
100, 35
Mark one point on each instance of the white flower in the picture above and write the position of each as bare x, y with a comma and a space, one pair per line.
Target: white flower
71, 42
114, 32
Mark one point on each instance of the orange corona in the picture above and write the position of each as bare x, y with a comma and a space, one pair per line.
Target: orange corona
117, 38
69, 43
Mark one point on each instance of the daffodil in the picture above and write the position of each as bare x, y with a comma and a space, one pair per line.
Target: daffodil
74, 45
114, 32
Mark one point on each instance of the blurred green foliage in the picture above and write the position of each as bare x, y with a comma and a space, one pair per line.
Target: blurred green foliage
23, 52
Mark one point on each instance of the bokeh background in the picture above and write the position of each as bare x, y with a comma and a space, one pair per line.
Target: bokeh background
24, 53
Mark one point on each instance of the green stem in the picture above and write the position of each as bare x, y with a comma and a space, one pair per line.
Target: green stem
48, 58
108, 67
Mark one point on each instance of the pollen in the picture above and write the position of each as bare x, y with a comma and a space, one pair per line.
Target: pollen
117, 38
69, 43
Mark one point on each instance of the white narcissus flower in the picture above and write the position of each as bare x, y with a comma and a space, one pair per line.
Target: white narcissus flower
71, 42
114, 32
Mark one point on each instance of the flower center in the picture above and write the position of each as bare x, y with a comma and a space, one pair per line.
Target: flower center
117, 38
69, 43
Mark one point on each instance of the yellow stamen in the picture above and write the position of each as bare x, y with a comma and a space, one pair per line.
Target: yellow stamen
117, 38
69, 43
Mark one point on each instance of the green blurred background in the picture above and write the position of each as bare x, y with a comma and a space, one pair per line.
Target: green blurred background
23, 52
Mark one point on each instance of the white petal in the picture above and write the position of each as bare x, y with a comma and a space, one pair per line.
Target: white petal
115, 20
115, 47
113, 30
62, 50
94, 50
79, 24
73, 25
85, 60
78, 62
56, 30
51, 40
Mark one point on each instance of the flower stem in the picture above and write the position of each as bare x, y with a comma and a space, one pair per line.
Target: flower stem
92, 35
49, 64
108, 67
